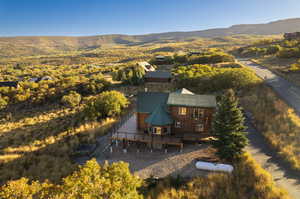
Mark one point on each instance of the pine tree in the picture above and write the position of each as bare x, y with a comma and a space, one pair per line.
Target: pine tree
229, 129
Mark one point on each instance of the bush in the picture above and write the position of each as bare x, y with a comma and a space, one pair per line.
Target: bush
289, 53
210, 58
3, 102
205, 78
91, 181
295, 67
107, 104
273, 49
132, 75
72, 99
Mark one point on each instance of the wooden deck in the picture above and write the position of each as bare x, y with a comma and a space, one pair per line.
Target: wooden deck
129, 132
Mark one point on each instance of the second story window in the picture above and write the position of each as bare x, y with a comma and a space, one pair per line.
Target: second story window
182, 111
198, 113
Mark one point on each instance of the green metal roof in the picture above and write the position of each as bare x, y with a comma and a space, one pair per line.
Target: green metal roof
184, 91
158, 74
178, 99
159, 117
147, 102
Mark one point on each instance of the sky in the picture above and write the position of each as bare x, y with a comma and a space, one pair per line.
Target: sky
97, 17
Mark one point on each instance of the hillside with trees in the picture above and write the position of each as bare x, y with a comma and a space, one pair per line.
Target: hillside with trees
45, 123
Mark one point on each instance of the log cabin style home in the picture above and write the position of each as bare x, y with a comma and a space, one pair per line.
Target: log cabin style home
180, 113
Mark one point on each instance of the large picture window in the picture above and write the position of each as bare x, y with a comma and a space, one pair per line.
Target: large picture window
182, 111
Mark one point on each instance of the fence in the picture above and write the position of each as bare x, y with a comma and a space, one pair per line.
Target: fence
103, 143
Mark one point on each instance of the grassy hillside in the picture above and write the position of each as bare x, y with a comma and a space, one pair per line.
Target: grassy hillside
26, 46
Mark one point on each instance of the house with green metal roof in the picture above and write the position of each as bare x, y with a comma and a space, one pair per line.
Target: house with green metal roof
178, 113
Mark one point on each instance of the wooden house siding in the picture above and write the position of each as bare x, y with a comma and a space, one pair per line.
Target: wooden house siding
188, 122
141, 117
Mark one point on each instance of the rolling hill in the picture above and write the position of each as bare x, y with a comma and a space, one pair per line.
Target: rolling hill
20, 46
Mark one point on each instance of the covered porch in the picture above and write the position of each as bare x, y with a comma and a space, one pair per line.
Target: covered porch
130, 133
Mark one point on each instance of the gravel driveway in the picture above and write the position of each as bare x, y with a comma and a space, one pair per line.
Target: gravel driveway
161, 164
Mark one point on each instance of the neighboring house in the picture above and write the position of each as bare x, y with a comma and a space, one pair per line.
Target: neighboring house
194, 53
38, 79
146, 66
14, 84
158, 76
291, 36
177, 113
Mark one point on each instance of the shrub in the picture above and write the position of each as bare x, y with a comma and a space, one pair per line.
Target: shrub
210, 57
295, 67
72, 99
289, 53
3, 102
91, 181
132, 75
273, 49
107, 104
205, 78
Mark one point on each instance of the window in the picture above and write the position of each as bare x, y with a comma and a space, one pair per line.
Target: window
177, 124
157, 130
181, 111
199, 127
198, 113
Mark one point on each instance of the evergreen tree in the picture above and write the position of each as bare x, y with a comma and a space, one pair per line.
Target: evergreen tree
228, 128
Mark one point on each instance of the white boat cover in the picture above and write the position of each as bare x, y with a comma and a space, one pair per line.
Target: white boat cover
214, 166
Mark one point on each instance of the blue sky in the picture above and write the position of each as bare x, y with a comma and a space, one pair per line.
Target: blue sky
94, 17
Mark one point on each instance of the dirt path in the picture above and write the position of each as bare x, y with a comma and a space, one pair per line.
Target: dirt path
268, 159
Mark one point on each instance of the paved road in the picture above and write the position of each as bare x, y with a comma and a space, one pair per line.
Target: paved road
267, 158
262, 153
285, 89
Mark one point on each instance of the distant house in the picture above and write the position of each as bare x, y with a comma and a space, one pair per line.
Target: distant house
14, 84
175, 113
38, 79
146, 66
194, 53
291, 36
158, 76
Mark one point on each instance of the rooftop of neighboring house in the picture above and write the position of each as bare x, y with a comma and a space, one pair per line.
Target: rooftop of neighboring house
158, 74
9, 84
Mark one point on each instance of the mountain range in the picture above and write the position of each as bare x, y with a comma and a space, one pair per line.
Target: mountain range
48, 44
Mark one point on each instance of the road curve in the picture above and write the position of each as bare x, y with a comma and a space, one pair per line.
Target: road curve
289, 92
